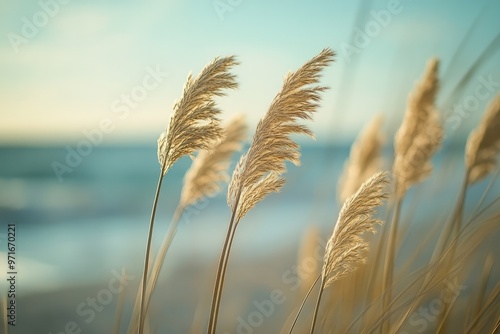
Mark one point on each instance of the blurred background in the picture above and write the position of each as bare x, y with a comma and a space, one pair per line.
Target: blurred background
87, 87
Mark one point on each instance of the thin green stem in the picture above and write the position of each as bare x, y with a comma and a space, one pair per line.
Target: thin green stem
316, 309
303, 303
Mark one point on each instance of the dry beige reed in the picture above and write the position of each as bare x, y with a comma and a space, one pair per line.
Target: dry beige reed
194, 125
482, 148
203, 179
259, 172
208, 170
346, 249
420, 134
418, 138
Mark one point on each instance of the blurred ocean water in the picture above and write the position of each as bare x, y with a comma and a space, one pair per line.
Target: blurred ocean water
74, 230
73, 233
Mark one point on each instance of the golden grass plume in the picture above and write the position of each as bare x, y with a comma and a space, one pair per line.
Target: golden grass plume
483, 144
207, 171
259, 171
194, 124
420, 134
364, 159
346, 249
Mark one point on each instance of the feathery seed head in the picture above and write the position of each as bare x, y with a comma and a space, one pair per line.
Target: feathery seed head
420, 134
483, 144
346, 248
209, 168
259, 171
194, 124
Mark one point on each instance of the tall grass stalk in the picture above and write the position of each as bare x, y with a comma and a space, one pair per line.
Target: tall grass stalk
194, 125
148, 250
417, 139
223, 259
316, 308
208, 169
303, 303
203, 179
346, 249
259, 171
388, 270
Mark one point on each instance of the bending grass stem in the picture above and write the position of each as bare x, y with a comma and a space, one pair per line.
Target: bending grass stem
133, 326
223, 276
212, 323
389, 259
461, 203
303, 303
316, 309
148, 248
157, 265
453, 227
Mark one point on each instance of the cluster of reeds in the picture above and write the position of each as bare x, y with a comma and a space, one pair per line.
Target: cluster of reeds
362, 291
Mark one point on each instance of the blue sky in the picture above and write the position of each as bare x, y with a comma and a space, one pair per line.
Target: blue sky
66, 76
